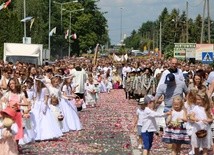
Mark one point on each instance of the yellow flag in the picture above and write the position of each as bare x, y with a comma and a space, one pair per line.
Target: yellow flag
31, 23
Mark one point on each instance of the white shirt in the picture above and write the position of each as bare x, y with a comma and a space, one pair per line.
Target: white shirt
148, 120
158, 71
201, 115
210, 77
125, 70
139, 114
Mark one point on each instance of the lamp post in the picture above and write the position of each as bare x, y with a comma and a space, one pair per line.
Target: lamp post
69, 39
61, 9
121, 24
25, 33
49, 28
61, 5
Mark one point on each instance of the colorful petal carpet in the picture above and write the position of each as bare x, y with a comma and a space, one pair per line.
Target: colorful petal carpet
107, 131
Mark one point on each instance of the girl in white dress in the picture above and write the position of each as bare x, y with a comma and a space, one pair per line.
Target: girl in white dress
71, 119
46, 125
68, 92
27, 115
56, 110
175, 132
201, 118
189, 105
91, 92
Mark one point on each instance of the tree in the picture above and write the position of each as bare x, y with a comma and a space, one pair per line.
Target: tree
133, 41
90, 25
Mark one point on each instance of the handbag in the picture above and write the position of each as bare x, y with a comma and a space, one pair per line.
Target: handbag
201, 133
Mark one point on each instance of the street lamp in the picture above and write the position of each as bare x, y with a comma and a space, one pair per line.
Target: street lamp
24, 20
25, 33
69, 39
61, 4
49, 27
121, 24
61, 9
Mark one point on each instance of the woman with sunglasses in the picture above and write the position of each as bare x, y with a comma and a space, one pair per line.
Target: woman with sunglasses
7, 74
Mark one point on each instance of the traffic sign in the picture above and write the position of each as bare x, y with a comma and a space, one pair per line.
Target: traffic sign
207, 57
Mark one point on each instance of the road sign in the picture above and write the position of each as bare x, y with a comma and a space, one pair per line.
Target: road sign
207, 57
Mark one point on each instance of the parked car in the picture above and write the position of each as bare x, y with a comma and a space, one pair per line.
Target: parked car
137, 53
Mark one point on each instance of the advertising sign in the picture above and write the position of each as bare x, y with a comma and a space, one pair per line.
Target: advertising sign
184, 50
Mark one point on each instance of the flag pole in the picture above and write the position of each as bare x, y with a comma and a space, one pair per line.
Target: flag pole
95, 55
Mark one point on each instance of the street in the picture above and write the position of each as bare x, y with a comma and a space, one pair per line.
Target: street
106, 131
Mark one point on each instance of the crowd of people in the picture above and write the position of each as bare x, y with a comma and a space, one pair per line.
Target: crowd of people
43, 102
184, 93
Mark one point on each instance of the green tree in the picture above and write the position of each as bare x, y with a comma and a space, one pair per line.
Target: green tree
133, 41
89, 25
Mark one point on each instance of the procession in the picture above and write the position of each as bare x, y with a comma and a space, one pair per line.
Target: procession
98, 77
44, 103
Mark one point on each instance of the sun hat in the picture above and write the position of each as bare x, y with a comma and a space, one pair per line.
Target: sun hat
9, 111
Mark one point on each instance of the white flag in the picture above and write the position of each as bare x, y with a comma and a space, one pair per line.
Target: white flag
74, 36
66, 34
53, 31
26, 19
122, 58
126, 57
116, 58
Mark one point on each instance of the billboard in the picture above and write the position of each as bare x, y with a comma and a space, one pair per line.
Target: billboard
184, 50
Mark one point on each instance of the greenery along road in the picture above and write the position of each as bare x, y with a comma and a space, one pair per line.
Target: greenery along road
90, 25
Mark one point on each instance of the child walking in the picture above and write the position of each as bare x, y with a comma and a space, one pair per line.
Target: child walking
189, 105
91, 91
175, 132
149, 125
138, 121
201, 121
8, 129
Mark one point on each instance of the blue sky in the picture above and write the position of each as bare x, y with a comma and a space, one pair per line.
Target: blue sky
135, 12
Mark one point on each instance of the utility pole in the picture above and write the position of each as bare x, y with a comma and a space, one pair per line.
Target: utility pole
187, 23
202, 27
208, 16
160, 39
